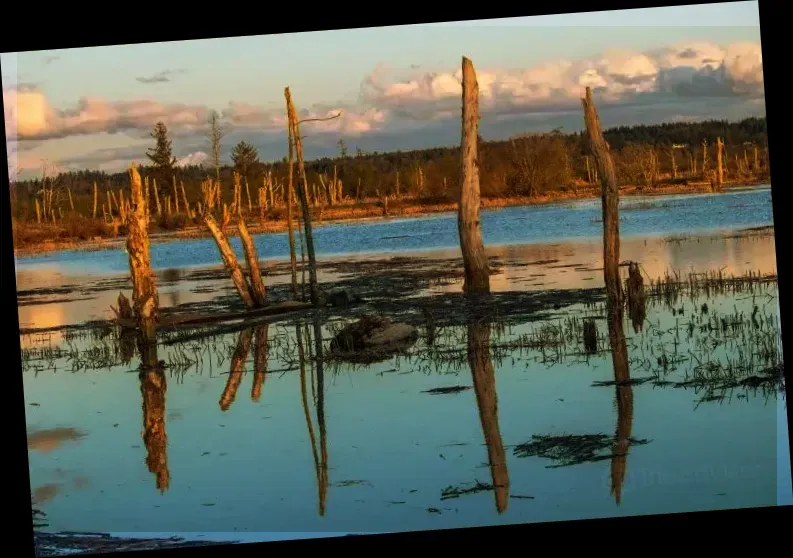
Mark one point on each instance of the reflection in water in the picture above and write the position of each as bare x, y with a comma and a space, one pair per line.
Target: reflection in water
624, 399
237, 369
320, 456
153, 387
259, 361
484, 380
46, 441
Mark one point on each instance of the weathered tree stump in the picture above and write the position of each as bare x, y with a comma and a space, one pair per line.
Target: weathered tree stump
477, 272
610, 198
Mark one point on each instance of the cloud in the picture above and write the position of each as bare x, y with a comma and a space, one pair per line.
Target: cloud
160, 77
30, 116
420, 108
195, 158
620, 77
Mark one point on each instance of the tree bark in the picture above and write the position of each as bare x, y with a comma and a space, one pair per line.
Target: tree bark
302, 193
230, 260
290, 192
145, 300
257, 283
610, 198
477, 272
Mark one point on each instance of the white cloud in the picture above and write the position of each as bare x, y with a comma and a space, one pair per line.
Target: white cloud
195, 158
667, 81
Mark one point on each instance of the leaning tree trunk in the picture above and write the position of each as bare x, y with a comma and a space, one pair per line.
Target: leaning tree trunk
230, 260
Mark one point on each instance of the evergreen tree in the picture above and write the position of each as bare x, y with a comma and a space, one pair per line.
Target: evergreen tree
244, 156
162, 154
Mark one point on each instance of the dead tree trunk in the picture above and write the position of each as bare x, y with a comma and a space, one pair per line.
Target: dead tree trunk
96, 199
230, 261
290, 192
477, 272
720, 161
156, 197
302, 192
257, 284
145, 300
187, 209
610, 198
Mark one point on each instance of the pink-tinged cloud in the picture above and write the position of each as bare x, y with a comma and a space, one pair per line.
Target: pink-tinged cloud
672, 77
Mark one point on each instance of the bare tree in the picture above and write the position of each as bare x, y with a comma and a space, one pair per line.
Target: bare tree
214, 136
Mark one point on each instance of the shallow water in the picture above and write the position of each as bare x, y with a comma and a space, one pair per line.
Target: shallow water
391, 449
558, 222
110, 451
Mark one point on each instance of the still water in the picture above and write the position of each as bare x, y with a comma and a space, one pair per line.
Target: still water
242, 435
571, 221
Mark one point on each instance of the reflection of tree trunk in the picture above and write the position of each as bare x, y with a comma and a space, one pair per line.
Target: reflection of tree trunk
323, 443
619, 357
309, 422
484, 380
237, 369
153, 387
259, 361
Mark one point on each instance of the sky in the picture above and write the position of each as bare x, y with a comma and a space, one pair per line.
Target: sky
396, 87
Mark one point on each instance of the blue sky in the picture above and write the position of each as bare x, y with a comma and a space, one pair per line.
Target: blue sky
392, 83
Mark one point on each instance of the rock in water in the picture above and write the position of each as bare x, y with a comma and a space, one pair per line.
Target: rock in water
373, 338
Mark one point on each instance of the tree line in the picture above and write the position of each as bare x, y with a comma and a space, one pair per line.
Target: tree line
532, 164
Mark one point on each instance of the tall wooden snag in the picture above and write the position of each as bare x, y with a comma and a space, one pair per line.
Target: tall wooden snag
145, 300
477, 272
610, 199
257, 284
302, 192
290, 192
96, 198
720, 161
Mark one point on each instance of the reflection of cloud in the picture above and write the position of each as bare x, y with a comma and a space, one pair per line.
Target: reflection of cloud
45, 493
46, 441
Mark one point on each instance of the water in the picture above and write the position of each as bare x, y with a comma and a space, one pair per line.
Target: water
642, 216
390, 448
99, 461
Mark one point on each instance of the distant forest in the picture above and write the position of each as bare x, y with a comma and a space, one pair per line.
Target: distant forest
522, 166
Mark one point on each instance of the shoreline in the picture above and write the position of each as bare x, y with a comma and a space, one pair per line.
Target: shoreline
347, 214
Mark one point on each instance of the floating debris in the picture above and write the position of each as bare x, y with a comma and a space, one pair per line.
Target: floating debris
571, 449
